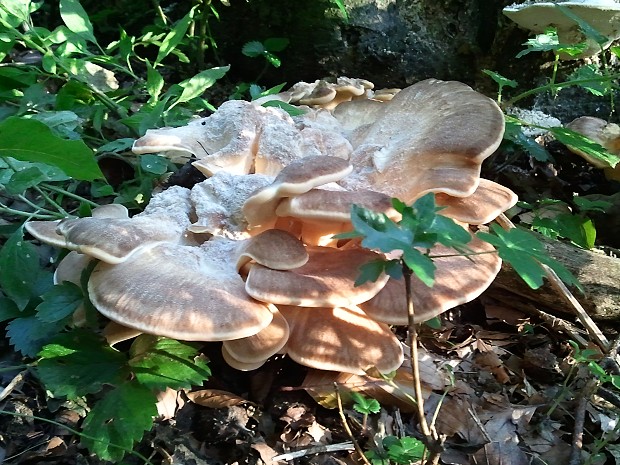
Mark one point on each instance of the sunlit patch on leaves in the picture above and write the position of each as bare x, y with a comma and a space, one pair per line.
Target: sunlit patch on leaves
401, 451
526, 254
118, 420
159, 363
548, 42
79, 363
584, 144
365, 405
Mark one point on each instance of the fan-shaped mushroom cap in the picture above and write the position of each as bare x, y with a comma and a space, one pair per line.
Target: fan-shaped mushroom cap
327, 212
111, 210
458, 279
537, 16
483, 206
70, 268
241, 366
45, 231
223, 141
298, 177
260, 346
340, 339
188, 293
431, 137
327, 279
273, 248
218, 202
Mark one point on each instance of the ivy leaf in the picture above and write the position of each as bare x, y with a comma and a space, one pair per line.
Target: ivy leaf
118, 420
159, 363
79, 363
21, 277
61, 301
365, 405
525, 253
76, 19
31, 140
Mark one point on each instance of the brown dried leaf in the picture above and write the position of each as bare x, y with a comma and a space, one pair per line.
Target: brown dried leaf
216, 398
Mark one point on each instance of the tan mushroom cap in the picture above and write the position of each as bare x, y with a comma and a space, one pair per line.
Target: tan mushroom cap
326, 280
431, 137
70, 268
603, 133
458, 279
112, 210
340, 339
45, 231
273, 248
182, 292
113, 240
297, 178
483, 206
241, 366
260, 346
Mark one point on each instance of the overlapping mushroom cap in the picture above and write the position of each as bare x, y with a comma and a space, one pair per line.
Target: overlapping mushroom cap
270, 279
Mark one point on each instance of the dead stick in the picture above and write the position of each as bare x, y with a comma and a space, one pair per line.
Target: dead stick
566, 294
346, 427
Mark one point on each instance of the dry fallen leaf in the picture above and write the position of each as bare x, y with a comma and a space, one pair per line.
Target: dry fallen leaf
215, 398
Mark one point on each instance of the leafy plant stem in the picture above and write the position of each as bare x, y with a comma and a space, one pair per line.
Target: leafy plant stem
50, 200
69, 194
38, 208
11, 211
554, 74
347, 428
160, 12
77, 433
432, 440
558, 85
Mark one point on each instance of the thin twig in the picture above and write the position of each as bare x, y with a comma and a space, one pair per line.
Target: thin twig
345, 425
566, 294
9, 387
580, 417
314, 450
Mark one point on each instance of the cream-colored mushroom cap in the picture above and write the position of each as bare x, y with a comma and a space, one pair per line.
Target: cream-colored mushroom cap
458, 279
241, 366
483, 206
340, 339
182, 292
273, 248
298, 177
536, 16
260, 346
45, 231
603, 133
431, 137
327, 279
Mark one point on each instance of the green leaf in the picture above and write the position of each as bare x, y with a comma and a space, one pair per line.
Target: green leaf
276, 44
585, 27
526, 254
253, 49
8, 309
579, 229
274, 60
421, 265
19, 9
586, 204
597, 86
76, 19
287, 107
154, 164
60, 302
154, 81
370, 271
175, 36
160, 363
549, 42
405, 450
118, 420
514, 134
21, 277
586, 145
365, 405
28, 334
31, 140
196, 85
116, 146
80, 363
499, 79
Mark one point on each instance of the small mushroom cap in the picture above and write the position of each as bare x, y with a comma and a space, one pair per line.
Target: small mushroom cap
298, 177
601, 132
182, 292
262, 345
70, 268
327, 279
483, 206
113, 240
320, 95
115, 333
340, 339
273, 248
241, 366
111, 210
45, 231
431, 137
458, 279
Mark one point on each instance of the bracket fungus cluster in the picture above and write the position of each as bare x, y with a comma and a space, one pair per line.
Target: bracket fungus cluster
270, 278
